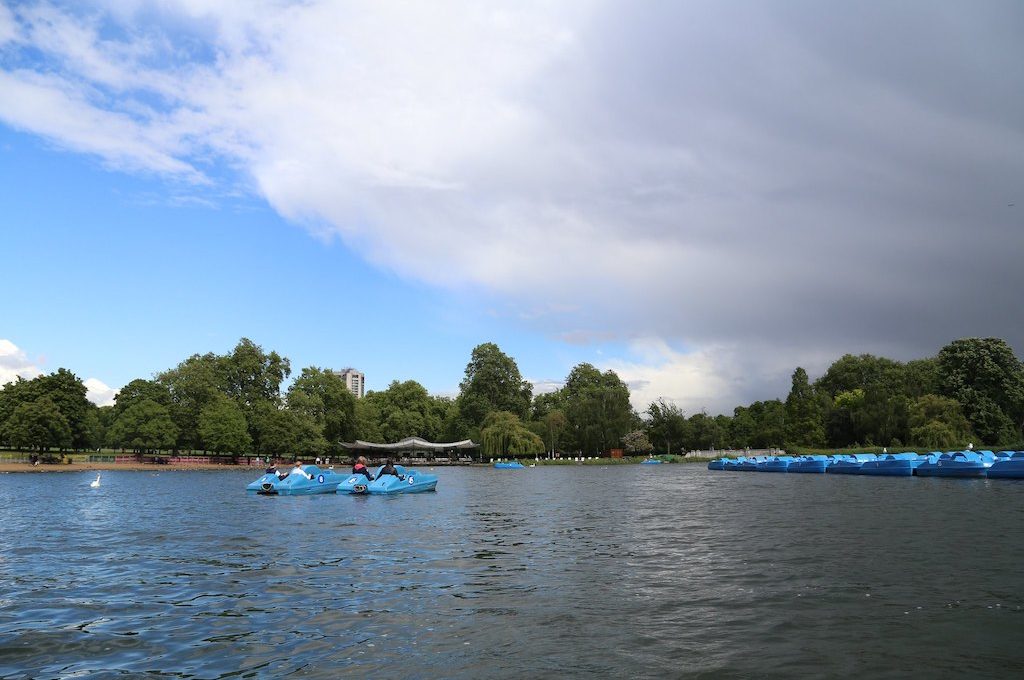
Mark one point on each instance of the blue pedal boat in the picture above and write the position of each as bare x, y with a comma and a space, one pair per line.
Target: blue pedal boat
809, 464
749, 464
651, 461
408, 481
849, 464
892, 465
775, 464
959, 464
509, 465
733, 463
293, 484
717, 464
1008, 467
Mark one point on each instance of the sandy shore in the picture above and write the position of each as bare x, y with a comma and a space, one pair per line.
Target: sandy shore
86, 467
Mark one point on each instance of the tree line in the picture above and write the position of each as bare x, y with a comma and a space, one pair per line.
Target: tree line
973, 390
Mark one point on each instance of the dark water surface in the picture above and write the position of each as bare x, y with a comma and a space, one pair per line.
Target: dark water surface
631, 571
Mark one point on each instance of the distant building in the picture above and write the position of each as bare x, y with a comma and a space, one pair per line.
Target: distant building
354, 380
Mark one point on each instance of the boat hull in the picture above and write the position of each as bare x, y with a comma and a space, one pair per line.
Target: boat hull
1007, 469
410, 481
808, 467
320, 481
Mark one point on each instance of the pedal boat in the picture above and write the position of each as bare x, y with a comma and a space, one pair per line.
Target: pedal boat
1008, 466
320, 481
809, 464
717, 464
509, 465
775, 464
892, 465
849, 464
411, 481
959, 464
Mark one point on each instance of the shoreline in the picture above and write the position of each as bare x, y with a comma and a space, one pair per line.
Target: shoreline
129, 467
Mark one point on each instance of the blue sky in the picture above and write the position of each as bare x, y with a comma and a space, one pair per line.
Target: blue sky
111, 276
698, 195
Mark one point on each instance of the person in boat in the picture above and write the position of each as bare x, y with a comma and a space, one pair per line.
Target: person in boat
297, 470
389, 469
360, 468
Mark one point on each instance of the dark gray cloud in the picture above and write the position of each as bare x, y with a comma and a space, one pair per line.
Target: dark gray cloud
843, 174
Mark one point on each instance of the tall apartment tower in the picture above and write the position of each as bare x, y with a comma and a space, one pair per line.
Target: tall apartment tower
354, 380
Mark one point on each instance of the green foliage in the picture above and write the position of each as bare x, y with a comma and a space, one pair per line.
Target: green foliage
553, 424
67, 393
144, 426
138, 390
324, 397
368, 418
597, 409
405, 409
223, 427
667, 427
492, 383
193, 385
503, 434
39, 425
939, 423
987, 379
804, 425
283, 433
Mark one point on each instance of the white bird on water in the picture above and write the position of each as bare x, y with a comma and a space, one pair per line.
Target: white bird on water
96, 482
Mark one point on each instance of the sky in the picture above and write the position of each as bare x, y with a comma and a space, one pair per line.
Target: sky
700, 196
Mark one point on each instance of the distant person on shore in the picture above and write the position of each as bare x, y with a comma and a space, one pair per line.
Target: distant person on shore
389, 469
359, 468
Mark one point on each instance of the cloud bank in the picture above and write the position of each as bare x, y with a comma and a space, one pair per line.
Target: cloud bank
738, 185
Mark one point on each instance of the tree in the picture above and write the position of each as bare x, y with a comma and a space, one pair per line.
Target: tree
405, 410
193, 385
144, 426
324, 397
596, 407
68, 393
636, 442
985, 376
38, 425
938, 422
803, 413
503, 434
223, 427
368, 420
283, 432
667, 426
140, 389
492, 383
553, 423
703, 432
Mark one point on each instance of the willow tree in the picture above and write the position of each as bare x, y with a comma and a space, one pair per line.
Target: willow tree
503, 434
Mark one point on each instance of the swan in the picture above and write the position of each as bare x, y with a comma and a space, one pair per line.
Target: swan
96, 482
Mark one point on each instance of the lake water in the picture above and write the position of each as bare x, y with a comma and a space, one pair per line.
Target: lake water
623, 571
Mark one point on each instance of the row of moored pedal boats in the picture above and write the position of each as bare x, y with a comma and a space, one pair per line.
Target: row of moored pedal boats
1004, 464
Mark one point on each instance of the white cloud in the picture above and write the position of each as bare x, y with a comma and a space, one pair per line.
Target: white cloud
14, 363
99, 393
690, 171
8, 26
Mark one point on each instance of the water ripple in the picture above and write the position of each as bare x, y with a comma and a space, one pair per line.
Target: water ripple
567, 571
